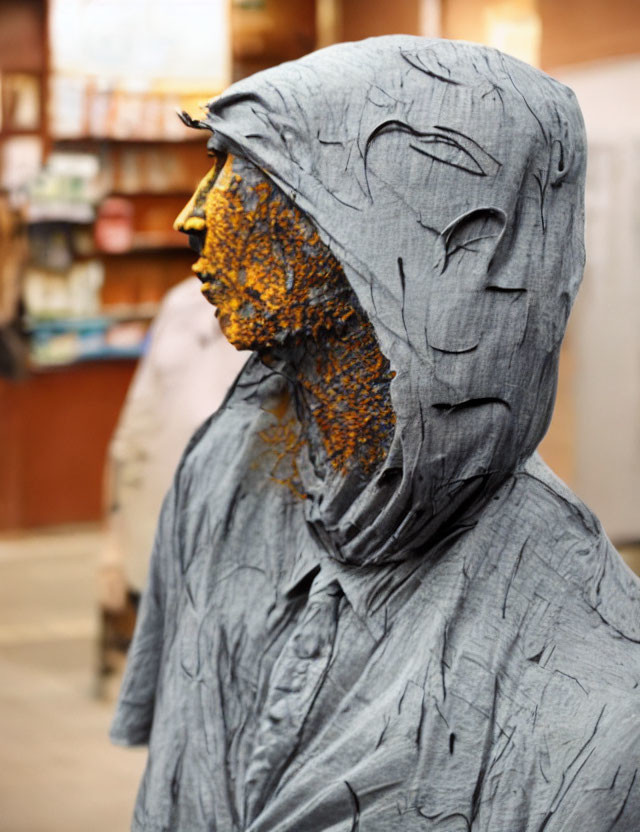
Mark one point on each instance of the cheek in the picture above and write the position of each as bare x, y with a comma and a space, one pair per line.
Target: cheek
228, 228
262, 258
271, 281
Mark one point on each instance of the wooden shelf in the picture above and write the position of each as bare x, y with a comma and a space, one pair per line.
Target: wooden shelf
199, 136
105, 318
147, 193
113, 354
81, 213
146, 241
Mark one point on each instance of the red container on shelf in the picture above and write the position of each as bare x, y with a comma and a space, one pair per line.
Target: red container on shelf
113, 230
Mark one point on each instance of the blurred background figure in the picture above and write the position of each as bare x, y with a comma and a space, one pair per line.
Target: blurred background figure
94, 167
182, 378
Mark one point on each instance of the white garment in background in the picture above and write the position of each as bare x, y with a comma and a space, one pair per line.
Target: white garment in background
180, 381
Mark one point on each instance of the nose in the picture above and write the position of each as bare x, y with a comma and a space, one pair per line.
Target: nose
191, 220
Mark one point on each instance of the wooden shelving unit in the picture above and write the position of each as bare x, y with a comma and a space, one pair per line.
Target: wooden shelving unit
56, 422
153, 180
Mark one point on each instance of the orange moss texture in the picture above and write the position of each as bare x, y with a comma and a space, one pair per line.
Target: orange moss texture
280, 291
283, 441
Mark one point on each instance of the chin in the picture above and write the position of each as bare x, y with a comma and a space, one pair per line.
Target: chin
238, 334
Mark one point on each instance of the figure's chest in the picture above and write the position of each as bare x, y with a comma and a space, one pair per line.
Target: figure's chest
398, 730
401, 732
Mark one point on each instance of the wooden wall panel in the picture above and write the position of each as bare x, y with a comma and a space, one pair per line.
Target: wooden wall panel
143, 276
22, 37
587, 30
573, 31
371, 18
558, 448
10, 456
463, 19
267, 33
54, 430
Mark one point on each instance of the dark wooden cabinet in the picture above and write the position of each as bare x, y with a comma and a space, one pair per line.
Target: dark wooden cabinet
55, 426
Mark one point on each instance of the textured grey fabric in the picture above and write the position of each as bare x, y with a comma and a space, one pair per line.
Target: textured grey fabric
455, 646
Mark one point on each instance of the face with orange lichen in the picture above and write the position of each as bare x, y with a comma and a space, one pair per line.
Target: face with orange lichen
262, 263
279, 291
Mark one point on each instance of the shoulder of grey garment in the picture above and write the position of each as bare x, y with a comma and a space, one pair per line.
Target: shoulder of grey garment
486, 655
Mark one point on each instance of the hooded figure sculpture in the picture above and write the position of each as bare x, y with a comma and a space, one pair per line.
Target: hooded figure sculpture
371, 606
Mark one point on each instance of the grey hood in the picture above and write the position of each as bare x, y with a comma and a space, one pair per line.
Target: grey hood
447, 178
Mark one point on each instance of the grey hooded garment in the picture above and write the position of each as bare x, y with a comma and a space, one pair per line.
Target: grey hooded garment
453, 646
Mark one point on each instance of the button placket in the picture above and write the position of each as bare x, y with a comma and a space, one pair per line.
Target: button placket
295, 680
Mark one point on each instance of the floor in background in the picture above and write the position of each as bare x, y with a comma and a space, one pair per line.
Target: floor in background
59, 771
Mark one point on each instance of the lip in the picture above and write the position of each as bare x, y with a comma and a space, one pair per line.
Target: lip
212, 289
214, 282
202, 277
199, 268
211, 281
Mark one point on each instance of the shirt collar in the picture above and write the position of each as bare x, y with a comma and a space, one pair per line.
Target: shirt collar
375, 593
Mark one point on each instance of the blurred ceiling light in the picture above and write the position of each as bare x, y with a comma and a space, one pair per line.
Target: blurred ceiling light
180, 45
514, 27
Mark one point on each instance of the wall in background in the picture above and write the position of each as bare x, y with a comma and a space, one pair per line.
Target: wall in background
594, 441
267, 32
606, 320
514, 26
587, 30
573, 31
370, 18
